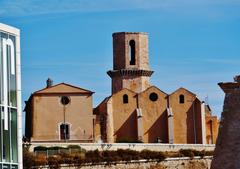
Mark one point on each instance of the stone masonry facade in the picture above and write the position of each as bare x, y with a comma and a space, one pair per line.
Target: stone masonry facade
227, 152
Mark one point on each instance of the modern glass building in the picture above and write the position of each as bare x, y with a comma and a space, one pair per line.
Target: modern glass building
10, 99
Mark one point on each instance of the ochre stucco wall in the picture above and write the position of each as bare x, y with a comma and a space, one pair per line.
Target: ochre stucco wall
48, 113
137, 84
154, 116
183, 116
124, 116
212, 125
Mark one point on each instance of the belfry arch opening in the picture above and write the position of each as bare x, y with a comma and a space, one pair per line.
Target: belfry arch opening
181, 99
132, 52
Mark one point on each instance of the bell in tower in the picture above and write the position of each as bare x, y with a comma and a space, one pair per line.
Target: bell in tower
130, 62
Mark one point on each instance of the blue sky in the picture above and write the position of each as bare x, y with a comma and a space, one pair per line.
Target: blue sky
193, 44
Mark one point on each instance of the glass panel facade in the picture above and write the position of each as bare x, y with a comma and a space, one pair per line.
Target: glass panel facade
6, 166
1, 71
12, 74
1, 131
6, 144
14, 135
8, 102
14, 167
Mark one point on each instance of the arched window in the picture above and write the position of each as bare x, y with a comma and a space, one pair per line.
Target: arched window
132, 52
181, 99
125, 98
64, 131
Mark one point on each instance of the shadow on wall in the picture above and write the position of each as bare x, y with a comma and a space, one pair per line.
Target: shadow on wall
159, 130
128, 131
190, 125
194, 119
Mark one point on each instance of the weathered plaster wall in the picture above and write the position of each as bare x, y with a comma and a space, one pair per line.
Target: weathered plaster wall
183, 115
154, 115
212, 125
47, 109
124, 116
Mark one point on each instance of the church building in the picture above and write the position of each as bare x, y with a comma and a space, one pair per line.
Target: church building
136, 111
60, 113
140, 112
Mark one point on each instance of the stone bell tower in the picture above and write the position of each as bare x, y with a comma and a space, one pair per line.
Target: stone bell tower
130, 62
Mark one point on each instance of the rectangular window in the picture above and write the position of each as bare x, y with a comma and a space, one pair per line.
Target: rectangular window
64, 132
14, 167
6, 166
11, 75
14, 135
6, 142
12, 86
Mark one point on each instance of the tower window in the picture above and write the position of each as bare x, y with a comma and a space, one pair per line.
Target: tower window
181, 99
125, 98
132, 52
64, 131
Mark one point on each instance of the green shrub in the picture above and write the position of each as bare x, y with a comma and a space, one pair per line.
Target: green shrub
55, 148
28, 158
74, 146
152, 155
53, 151
66, 158
199, 153
93, 156
110, 155
40, 148
186, 153
75, 149
191, 153
209, 153
40, 160
96, 156
54, 162
78, 159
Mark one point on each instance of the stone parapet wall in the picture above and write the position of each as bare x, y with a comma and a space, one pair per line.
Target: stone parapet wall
132, 146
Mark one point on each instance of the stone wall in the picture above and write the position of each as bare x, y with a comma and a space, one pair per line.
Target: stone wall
227, 152
132, 146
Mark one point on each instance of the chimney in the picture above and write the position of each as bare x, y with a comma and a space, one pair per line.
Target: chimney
49, 82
